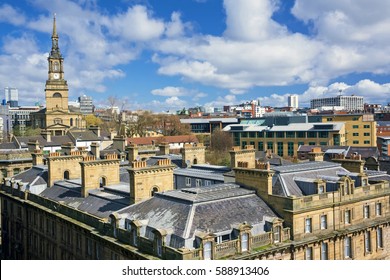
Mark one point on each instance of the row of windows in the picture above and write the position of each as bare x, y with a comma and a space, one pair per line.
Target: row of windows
364, 126
348, 251
198, 182
347, 217
284, 134
280, 146
357, 142
92, 249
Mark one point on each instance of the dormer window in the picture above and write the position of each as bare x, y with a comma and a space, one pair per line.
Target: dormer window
207, 250
346, 188
277, 231
244, 242
159, 246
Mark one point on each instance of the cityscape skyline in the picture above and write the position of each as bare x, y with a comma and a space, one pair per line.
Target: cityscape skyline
213, 53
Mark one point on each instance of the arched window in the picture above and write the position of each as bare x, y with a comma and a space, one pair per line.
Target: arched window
57, 95
195, 161
102, 182
66, 175
154, 190
56, 66
71, 121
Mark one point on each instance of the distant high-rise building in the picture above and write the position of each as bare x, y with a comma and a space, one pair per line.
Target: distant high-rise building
350, 103
11, 96
86, 105
5, 120
293, 101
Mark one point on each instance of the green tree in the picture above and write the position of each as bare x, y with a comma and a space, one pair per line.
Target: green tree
27, 131
93, 120
221, 143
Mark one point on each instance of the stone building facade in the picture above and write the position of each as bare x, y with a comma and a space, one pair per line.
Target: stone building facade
315, 210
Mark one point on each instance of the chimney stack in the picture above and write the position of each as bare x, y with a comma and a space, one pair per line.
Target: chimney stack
95, 150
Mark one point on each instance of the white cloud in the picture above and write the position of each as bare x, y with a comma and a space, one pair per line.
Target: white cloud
171, 103
136, 25
253, 51
11, 15
176, 28
346, 21
170, 91
250, 20
370, 90
257, 51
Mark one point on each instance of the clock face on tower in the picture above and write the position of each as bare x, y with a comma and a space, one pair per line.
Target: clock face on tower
56, 76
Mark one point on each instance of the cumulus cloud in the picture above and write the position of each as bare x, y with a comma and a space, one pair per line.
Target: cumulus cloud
257, 51
253, 51
179, 92
136, 25
370, 90
250, 20
11, 15
170, 91
176, 28
169, 104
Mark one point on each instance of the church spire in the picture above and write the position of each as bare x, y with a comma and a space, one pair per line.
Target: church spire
55, 50
54, 35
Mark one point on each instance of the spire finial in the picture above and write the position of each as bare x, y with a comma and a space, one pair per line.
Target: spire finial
54, 26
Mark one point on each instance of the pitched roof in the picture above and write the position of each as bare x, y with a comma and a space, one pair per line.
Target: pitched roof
216, 208
55, 140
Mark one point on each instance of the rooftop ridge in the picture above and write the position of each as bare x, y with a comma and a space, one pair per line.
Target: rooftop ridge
306, 166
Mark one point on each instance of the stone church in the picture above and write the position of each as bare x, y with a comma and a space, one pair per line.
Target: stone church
56, 118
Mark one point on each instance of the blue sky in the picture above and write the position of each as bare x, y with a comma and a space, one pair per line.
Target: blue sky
169, 54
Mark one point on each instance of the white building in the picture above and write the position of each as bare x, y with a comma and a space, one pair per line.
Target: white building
350, 103
293, 101
11, 96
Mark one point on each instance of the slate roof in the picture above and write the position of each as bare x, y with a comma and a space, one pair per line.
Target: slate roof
8, 146
55, 140
97, 203
200, 173
374, 175
216, 208
36, 175
365, 152
298, 179
86, 135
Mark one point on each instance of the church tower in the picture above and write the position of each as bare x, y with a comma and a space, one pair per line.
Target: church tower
57, 118
56, 89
